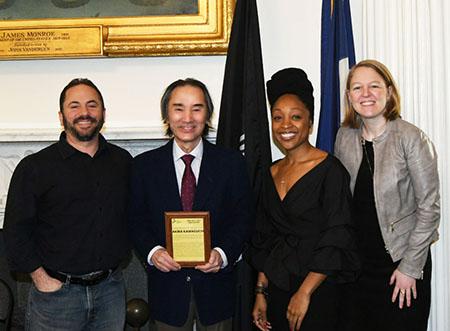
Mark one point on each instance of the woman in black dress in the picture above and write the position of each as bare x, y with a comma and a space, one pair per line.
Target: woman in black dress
304, 241
394, 179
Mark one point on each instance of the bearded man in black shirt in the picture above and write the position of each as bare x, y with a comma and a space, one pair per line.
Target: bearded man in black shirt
65, 221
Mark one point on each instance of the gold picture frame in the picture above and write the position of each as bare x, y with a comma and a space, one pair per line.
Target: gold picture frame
204, 33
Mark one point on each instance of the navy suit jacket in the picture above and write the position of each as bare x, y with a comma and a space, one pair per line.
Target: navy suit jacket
223, 189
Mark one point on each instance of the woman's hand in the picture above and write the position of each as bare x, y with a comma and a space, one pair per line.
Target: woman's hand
297, 308
404, 286
260, 313
299, 303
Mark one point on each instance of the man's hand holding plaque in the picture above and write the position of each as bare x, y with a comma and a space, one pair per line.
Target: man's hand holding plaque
214, 263
163, 261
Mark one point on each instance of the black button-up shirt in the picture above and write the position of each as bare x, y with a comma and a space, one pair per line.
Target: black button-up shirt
66, 210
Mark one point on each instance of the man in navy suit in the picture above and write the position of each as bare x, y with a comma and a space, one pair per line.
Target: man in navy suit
204, 294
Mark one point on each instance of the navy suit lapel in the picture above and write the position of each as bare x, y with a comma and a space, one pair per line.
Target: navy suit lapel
167, 181
205, 183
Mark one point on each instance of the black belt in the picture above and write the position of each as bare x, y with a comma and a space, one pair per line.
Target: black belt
90, 279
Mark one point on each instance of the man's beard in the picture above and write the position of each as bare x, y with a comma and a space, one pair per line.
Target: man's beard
88, 135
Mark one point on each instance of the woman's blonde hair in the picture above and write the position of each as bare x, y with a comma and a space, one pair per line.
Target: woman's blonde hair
351, 118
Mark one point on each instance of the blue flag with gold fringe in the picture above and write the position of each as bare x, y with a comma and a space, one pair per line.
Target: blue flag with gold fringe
337, 57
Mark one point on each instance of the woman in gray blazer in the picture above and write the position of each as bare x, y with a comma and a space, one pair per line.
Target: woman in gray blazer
395, 187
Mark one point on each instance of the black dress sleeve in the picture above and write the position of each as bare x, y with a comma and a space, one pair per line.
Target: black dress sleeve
336, 252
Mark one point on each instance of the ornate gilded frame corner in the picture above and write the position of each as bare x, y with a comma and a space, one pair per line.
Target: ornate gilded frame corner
204, 33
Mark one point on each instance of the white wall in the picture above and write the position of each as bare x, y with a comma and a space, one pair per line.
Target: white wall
131, 87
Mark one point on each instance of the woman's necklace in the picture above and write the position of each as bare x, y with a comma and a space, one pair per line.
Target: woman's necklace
375, 131
288, 169
363, 141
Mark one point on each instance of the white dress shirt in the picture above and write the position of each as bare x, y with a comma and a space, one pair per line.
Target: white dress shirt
178, 153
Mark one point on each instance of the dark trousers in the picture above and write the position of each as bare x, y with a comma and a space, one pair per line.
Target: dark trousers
192, 319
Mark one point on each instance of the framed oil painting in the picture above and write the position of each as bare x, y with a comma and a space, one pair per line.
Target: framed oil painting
108, 28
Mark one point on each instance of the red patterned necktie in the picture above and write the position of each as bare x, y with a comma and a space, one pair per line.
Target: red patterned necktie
187, 184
